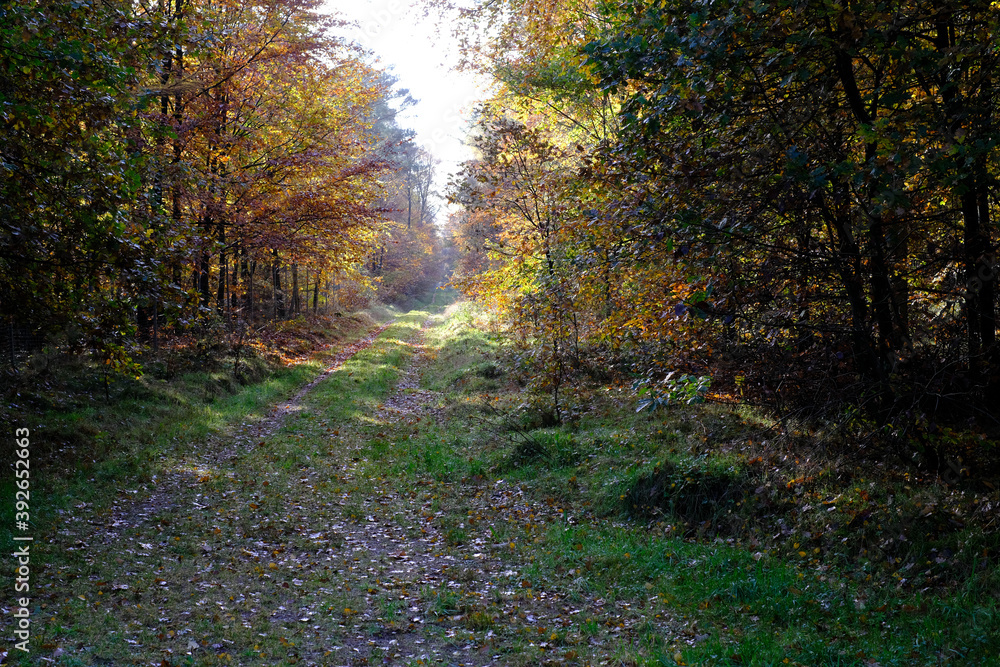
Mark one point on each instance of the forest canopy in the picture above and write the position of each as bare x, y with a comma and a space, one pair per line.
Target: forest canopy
796, 199
172, 162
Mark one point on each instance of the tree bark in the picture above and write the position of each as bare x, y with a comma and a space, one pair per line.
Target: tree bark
319, 276
220, 294
278, 296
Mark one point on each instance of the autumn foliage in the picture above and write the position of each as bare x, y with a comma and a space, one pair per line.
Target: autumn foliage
794, 198
175, 162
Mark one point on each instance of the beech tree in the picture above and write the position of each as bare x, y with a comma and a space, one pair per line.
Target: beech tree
806, 187
70, 167
184, 161
835, 157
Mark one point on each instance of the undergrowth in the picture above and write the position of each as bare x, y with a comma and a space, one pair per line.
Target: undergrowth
691, 534
86, 445
775, 547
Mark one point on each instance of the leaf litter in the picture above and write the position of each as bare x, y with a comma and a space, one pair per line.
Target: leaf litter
237, 556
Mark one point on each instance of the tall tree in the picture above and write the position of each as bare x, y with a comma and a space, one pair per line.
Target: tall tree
70, 163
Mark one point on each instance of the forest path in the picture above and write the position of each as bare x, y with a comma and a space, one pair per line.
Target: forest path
128, 513
334, 533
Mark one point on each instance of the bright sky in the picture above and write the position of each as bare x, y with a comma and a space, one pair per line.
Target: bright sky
409, 46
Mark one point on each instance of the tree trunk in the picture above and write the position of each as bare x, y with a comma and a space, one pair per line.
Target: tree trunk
220, 294
234, 283
319, 276
980, 299
249, 282
177, 68
880, 282
849, 265
279, 302
204, 267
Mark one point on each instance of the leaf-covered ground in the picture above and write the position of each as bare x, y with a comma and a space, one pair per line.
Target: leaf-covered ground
403, 508
304, 539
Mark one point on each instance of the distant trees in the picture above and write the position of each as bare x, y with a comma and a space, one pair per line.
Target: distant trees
407, 258
181, 160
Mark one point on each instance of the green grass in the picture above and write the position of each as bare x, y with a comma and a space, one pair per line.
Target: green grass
248, 501
661, 517
640, 539
85, 449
